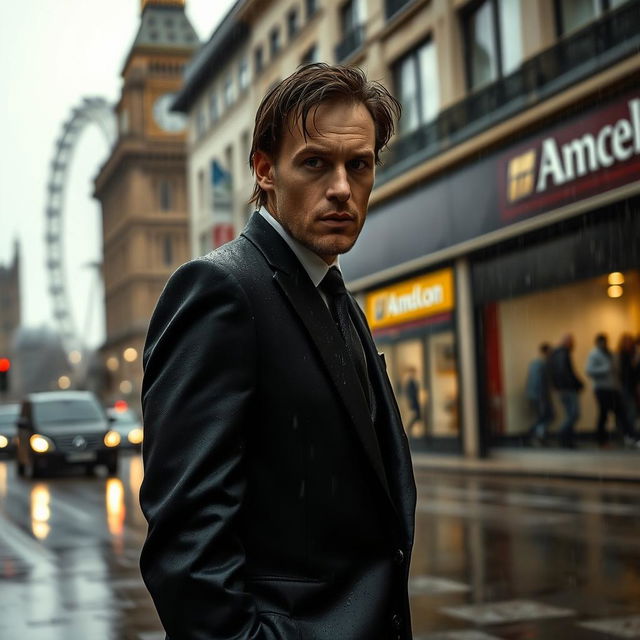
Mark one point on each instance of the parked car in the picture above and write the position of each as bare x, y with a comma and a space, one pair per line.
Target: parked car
128, 425
60, 429
8, 429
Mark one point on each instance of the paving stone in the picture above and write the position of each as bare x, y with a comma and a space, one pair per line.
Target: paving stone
627, 627
508, 611
433, 585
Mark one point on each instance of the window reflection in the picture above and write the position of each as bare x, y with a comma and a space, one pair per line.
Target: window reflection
40, 511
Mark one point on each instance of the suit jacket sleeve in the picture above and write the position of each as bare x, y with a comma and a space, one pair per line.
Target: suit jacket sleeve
197, 397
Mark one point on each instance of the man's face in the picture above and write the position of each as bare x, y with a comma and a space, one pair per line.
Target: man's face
318, 188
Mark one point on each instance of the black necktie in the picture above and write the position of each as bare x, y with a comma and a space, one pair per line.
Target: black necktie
338, 300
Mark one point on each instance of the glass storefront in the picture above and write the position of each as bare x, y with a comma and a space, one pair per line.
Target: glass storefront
581, 283
520, 325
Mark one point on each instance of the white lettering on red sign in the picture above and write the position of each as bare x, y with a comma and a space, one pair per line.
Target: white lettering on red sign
591, 152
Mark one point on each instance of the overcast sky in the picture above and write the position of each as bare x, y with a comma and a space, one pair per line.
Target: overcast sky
54, 53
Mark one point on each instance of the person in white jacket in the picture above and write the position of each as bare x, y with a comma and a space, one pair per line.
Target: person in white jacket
600, 369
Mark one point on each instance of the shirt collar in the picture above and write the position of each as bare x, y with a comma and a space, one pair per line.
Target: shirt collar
313, 264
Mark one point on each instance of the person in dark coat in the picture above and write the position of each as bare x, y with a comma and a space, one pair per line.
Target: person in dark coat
412, 393
606, 388
627, 374
538, 390
278, 484
568, 386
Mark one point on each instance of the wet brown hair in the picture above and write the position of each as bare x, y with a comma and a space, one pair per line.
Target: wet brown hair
290, 101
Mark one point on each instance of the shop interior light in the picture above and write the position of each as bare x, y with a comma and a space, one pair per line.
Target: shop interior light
4, 442
614, 291
616, 278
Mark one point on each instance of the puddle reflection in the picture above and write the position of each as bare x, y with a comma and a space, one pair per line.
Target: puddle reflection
116, 510
40, 511
3, 479
135, 475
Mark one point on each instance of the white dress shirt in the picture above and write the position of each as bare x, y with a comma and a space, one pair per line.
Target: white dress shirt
312, 263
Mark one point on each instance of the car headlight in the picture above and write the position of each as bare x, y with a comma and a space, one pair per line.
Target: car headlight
4, 442
112, 438
40, 444
135, 436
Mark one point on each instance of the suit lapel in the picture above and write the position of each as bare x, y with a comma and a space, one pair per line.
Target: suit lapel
294, 282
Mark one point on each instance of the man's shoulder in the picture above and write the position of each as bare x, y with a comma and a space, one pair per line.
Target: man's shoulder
232, 262
231, 255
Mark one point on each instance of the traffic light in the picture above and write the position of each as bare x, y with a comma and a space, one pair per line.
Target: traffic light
5, 365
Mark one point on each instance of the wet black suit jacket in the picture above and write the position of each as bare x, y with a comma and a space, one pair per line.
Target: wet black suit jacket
277, 508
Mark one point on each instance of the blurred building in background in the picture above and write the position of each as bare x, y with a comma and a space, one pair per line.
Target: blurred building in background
142, 190
507, 211
40, 362
10, 310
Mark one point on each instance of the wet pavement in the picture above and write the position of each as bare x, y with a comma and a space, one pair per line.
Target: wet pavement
506, 558
516, 558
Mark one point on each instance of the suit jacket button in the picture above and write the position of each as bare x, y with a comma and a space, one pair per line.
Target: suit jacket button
399, 557
396, 621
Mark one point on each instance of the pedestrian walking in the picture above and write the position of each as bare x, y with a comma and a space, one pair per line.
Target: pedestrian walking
538, 390
600, 369
568, 386
412, 394
278, 484
627, 374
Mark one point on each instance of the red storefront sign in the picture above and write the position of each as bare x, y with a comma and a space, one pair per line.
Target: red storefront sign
590, 155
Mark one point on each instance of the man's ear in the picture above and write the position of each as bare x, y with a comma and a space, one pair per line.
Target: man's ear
264, 170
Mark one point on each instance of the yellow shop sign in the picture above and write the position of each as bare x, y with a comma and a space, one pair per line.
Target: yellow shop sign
410, 300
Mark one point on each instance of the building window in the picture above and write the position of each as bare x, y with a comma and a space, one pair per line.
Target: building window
494, 46
228, 90
416, 82
351, 22
124, 122
258, 59
310, 55
166, 195
312, 8
243, 73
293, 23
573, 14
274, 41
167, 250
214, 112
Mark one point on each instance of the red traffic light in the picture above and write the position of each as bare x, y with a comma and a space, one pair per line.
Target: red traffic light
5, 364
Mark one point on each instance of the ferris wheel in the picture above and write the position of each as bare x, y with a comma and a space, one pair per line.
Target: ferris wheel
92, 111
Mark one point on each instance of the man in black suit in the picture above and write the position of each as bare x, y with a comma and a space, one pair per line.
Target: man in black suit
278, 484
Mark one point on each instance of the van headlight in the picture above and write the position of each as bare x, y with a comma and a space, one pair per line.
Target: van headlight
40, 444
4, 442
112, 438
135, 435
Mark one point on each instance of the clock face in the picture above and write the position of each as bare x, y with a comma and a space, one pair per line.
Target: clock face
167, 120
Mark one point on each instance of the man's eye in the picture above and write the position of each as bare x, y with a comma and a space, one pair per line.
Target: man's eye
358, 163
313, 163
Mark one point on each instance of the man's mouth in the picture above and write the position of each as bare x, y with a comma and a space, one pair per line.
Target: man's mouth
338, 216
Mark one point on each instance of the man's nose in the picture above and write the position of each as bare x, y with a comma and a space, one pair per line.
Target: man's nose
339, 188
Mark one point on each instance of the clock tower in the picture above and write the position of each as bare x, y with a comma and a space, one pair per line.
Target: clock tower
142, 190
